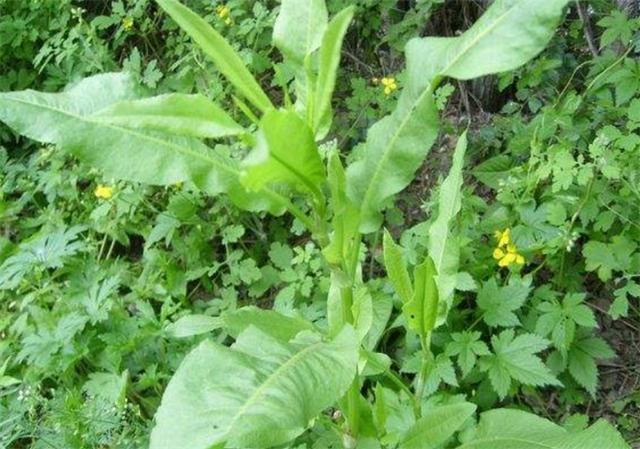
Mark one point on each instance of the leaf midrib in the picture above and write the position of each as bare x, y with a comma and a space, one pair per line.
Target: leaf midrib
84, 119
276, 196
267, 383
426, 91
440, 257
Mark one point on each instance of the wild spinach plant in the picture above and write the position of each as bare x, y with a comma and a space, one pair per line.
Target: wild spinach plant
282, 373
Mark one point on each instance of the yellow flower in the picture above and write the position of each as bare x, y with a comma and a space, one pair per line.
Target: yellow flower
389, 85
503, 238
506, 253
223, 12
127, 23
104, 192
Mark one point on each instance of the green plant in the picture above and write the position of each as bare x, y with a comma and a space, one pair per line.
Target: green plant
283, 371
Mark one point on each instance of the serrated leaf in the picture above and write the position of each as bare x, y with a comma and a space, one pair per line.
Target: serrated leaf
560, 319
584, 370
498, 304
609, 257
515, 358
467, 346
582, 361
259, 393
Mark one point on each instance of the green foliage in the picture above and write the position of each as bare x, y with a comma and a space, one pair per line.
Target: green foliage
245, 395
514, 358
301, 340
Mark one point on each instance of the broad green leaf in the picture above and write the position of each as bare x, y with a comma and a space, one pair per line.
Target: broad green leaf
443, 247
149, 157
259, 393
422, 310
506, 36
191, 325
285, 152
270, 322
329, 61
493, 170
221, 53
362, 311
396, 268
436, 426
382, 308
187, 115
394, 150
44, 117
515, 429
492, 425
299, 28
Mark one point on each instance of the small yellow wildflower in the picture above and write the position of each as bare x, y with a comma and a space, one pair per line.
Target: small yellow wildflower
506, 252
127, 23
104, 192
389, 85
503, 237
223, 12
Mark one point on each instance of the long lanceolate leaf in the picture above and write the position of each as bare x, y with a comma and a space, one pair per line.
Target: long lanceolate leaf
299, 29
260, 393
443, 248
509, 34
329, 61
67, 119
221, 53
185, 115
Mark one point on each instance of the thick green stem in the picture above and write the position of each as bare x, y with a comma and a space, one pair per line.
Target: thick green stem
350, 265
425, 367
352, 412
